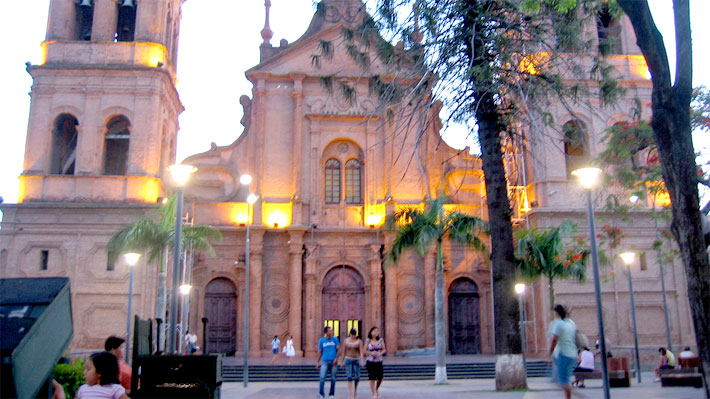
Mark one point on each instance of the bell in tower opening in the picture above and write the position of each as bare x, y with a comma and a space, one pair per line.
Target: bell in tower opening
126, 27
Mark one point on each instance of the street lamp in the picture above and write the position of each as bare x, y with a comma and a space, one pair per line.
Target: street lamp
132, 259
185, 292
634, 199
588, 179
251, 199
180, 174
628, 258
520, 290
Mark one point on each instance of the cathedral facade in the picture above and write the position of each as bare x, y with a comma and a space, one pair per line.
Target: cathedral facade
326, 169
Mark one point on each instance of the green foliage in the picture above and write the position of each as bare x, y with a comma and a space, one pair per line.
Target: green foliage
70, 376
551, 253
148, 236
700, 109
420, 228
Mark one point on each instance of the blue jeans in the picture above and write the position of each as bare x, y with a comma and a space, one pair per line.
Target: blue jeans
352, 369
325, 366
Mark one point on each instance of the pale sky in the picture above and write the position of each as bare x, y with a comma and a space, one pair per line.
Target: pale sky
219, 40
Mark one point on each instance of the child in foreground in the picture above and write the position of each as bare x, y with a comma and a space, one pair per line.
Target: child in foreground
101, 375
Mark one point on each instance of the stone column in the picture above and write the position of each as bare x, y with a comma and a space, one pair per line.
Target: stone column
295, 288
61, 24
255, 274
311, 321
391, 303
375, 262
429, 286
149, 20
103, 28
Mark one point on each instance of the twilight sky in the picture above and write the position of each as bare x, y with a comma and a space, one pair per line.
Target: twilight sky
219, 40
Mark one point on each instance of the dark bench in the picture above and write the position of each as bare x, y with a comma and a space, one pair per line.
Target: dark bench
682, 377
617, 378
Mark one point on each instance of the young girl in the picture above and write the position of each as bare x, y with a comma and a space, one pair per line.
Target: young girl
101, 375
289, 350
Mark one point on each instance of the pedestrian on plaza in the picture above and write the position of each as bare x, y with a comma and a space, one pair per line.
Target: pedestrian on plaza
353, 356
328, 350
191, 339
375, 349
275, 344
289, 350
666, 362
117, 346
563, 348
585, 363
686, 353
101, 376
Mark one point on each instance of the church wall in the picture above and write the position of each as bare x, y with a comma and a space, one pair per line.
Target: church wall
75, 239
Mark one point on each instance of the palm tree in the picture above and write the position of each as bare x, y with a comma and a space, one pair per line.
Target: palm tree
145, 236
420, 228
539, 253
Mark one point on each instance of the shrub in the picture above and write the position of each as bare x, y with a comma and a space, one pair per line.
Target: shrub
71, 376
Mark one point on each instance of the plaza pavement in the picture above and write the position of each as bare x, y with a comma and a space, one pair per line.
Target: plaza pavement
539, 388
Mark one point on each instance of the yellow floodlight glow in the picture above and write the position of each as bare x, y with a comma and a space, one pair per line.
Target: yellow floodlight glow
520, 288
131, 258
277, 215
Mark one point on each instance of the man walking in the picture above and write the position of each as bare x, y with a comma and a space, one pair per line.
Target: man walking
328, 350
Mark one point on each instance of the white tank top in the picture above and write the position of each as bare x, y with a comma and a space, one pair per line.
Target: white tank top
587, 360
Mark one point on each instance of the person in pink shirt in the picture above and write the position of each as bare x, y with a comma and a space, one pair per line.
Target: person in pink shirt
101, 376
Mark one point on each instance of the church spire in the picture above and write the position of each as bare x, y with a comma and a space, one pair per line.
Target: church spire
266, 33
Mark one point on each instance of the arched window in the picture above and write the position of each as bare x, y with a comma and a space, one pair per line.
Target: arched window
332, 181
64, 139
608, 32
353, 191
116, 146
575, 143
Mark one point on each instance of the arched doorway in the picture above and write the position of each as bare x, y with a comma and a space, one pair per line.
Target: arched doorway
464, 318
221, 311
343, 300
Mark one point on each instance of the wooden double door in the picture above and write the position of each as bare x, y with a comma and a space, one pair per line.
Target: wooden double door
343, 301
464, 318
221, 312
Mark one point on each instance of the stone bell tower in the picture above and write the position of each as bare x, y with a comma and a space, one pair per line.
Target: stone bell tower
103, 119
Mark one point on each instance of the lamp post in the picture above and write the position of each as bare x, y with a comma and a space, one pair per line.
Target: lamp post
251, 199
520, 290
131, 259
588, 179
628, 258
185, 292
180, 173
634, 199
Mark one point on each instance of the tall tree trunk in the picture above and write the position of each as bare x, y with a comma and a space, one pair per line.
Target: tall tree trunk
551, 290
672, 133
440, 374
505, 306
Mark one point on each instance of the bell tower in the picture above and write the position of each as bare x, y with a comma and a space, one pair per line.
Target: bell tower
104, 114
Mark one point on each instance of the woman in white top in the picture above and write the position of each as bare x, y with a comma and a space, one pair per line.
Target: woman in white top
289, 350
586, 364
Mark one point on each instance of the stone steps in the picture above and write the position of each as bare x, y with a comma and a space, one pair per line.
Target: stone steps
233, 373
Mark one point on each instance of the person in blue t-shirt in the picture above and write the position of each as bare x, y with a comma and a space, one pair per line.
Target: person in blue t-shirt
328, 351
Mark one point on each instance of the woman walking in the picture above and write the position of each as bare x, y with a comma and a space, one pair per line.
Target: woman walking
353, 357
563, 348
375, 349
289, 350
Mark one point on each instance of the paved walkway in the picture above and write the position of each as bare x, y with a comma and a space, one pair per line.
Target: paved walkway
539, 388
